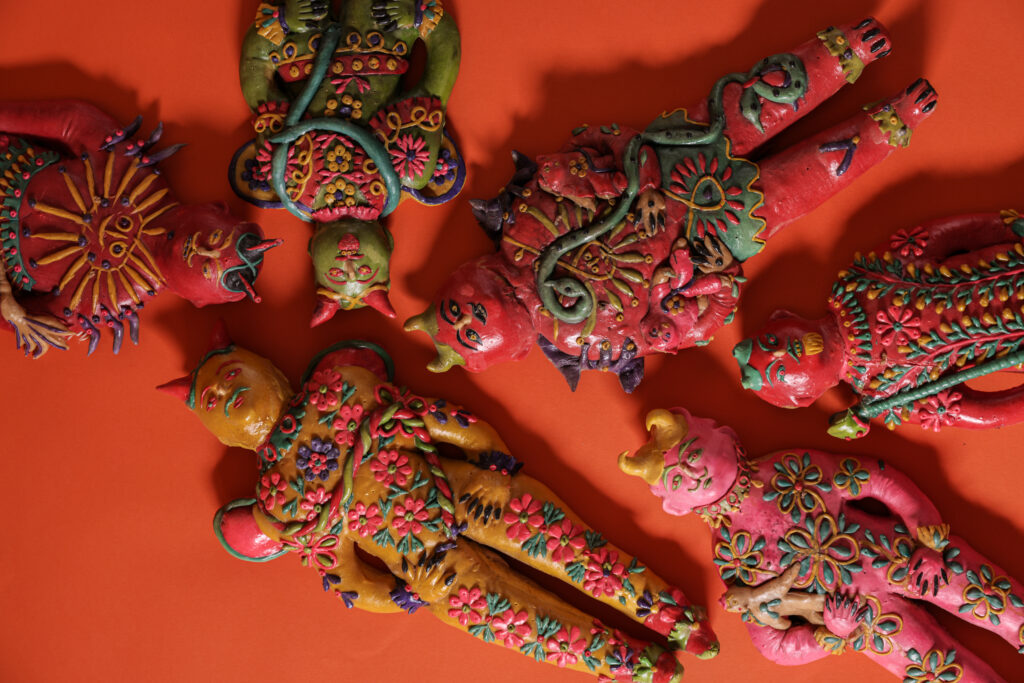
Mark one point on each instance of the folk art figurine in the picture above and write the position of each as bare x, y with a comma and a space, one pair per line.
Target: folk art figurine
908, 324
341, 138
824, 553
625, 244
353, 461
90, 230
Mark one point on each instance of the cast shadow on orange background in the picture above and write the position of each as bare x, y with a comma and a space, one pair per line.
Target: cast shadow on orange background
113, 572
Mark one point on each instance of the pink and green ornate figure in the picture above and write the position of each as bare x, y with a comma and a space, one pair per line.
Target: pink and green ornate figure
90, 230
342, 136
353, 461
626, 243
812, 572
907, 326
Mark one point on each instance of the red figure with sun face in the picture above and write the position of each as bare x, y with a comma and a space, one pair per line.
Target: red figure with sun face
90, 230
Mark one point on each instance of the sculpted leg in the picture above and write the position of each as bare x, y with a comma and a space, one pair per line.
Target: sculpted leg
490, 601
800, 178
831, 60
532, 525
916, 648
979, 592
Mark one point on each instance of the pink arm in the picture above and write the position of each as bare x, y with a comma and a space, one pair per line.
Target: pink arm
900, 495
78, 125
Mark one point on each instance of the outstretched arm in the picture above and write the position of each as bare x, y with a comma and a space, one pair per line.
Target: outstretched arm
901, 496
77, 125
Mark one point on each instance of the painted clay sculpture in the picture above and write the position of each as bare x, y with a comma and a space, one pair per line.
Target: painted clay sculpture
908, 324
353, 461
341, 138
825, 553
625, 244
90, 230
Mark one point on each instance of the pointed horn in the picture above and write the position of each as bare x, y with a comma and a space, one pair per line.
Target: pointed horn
667, 429
264, 245
325, 310
424, 322
250, 291
220, 338
378, 301
447, 358
178, 388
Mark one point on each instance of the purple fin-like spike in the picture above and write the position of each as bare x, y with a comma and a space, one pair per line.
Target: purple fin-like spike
150, 160
566, 364
133, 325
122, 134
94, 334
116, 328
631, 374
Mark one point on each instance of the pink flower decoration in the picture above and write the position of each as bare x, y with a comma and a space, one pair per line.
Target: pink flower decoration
909, 243
604, 573
346, 423
323, 388
565, 647
467, 606
523, 516
409, 516
898, 325
272, 488
364, 520
511, 627
391, 467
564, 539
410, 156
940, 410
313, 502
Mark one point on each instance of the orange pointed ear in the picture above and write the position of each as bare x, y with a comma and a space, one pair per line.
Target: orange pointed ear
325, 310
178, 388
378, 301
219, 339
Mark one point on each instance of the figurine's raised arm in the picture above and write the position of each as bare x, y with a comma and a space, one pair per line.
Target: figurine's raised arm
79, 126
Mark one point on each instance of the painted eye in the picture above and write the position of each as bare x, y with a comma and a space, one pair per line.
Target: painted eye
238, 402
451, 311
211, 403
124, 222
215, 238
364, 270
479, 312
771, 339
206, 271
472, 336
232, 374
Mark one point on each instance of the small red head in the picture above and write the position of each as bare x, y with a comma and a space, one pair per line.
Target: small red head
791, 361
475, 319
212, 257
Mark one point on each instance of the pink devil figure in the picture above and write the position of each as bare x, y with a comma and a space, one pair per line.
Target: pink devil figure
90, 230
825, 553
908, 325
628, 243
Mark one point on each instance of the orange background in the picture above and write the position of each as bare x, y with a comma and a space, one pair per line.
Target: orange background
109, 568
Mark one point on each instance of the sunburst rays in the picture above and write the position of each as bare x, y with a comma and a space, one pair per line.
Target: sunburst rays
127, 266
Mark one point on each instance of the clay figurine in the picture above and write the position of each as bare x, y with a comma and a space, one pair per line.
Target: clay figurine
934, 307
341, 137
352, 460
826, 553
625, 244
90, 230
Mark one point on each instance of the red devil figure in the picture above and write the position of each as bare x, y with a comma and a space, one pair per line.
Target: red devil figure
625, 244
90, 230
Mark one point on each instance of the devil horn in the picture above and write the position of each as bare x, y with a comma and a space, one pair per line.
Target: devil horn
325, 310
264, 245
178, 388
378, 301
219, 338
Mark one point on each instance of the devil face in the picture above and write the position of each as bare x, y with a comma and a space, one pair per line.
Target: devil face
698, 471
477, 320
792, 361
351, 257
213, 257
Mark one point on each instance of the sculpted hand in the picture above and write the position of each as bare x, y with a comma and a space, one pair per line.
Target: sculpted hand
927, 571
36, 334
843, 615
392, 14
301, 14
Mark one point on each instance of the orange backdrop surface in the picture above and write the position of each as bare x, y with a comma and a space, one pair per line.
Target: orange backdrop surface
109, 569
